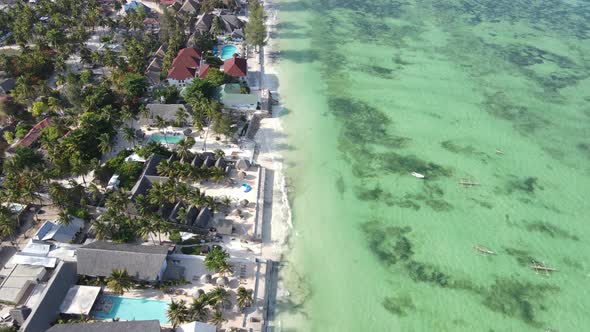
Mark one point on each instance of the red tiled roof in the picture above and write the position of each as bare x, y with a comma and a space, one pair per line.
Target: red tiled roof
151, 21
189, 52
235, 67
203, 70
34, 133
181, 73
185, 63
167, 2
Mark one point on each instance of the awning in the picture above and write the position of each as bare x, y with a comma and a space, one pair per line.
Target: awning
19, 259
79, 300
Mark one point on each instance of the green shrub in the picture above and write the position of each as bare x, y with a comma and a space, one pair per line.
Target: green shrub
191, 250
21, 130
175, 236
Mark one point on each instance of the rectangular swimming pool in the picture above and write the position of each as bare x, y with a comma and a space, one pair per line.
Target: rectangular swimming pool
126, 308
166, 139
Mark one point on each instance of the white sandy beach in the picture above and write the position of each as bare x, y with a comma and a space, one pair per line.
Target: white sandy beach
270, 138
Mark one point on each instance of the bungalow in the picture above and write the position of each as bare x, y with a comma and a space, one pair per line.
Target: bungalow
153, 71
175, 4
58, 232
227, 24
33, 134
166, 112
114, 326
189, 7
151, 25
142, 262
184, 67
6, 85
231, 97
235, 66
197, 218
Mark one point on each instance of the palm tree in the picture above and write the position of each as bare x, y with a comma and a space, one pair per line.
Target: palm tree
146, 228
217, 318
217, 174
181, 214
198, 310
224, 268
244, 297
225, 202
160, 122
159, 225
64, 217
218, 296
8, 225
183, 147
117, 201
129, 134
164, 168
180, 117
216, 258
101, 230
177, 313
142, 205
218, 153
94, 192
127, 114
119, 281
59, 195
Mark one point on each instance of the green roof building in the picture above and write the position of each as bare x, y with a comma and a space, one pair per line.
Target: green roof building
229, 95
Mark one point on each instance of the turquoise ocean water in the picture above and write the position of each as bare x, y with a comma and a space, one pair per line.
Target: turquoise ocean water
374, 90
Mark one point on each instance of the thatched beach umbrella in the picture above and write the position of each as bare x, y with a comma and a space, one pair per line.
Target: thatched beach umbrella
205, 278
222, 281
242, 165
234, 283
244, 203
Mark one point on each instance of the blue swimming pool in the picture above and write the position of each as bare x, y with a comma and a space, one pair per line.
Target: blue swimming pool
126, 308
166, 139
227, 51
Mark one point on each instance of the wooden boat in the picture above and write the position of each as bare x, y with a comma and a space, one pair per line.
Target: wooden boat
543, 268
465, 182
418, 175
483, 250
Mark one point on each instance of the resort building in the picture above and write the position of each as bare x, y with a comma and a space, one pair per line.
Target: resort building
190, 7
19, 282
42, 306
151, 25
33, 134
231, 97
196, 219
236, 66
184, 67
99, 259
218, 24
168, 112
53, 231
125, 326
196, 327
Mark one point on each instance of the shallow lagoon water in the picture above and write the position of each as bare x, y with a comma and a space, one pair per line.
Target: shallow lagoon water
374, 90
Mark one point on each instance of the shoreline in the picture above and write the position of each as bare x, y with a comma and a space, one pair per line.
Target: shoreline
269, 138
277, 219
